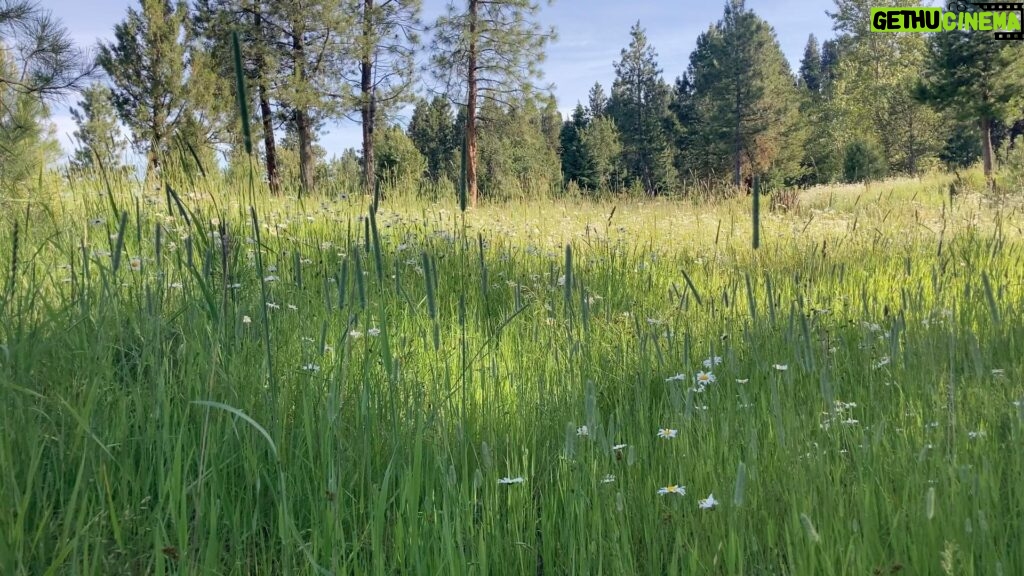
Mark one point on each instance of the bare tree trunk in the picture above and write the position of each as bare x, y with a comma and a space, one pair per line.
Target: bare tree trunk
471, 91
986, 147
266, 115
269, 141
368, 110
302, 124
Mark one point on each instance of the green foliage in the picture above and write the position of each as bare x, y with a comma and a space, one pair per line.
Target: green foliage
811, 66
743, 101
639, 105
100, 143
863, 161
432, 130
398, 162
27, 144
515, 159
601, 151
962, 147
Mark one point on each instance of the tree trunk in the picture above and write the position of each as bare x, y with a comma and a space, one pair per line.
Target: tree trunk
986, 147
269, 142
737, 166
471, 95
302, 124
369, 104
306, 167
266, 115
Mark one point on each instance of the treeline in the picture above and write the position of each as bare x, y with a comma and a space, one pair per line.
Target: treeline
860, 106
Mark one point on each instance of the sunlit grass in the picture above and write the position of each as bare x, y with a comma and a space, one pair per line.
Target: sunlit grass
427, 393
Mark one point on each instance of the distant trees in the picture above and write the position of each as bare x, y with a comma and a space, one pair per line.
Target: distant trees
976, 78
857, 106
432, 130
100, 144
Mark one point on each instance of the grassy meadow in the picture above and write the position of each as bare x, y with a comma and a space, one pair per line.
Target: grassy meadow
192, 386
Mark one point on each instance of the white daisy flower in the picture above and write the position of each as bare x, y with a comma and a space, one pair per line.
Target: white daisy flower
135, 264
781, 367
742, 380
673, 489
704, 378
708, 503
676, 378
293, 307
667, 433
619, 447
583, 431
271, 278
311, 368
509, 480
883, 362
608, 479
712, 362
273, 306
355, 334
373, 331
246, 320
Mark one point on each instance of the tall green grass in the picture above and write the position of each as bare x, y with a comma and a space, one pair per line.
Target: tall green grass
188, 386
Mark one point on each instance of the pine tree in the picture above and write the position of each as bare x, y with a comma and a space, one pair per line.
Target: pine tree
601, 149
639, 106
147, 65
976, 78
385, 39
597, 101
311, 37
214, 21
745, 97
489, 51
573, 159
42, 58
810, 66
432, 131
100, 144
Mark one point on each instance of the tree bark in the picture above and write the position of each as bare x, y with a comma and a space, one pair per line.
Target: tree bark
269, 141
471, 96
302, 124
986, 147
266, 115
368, 110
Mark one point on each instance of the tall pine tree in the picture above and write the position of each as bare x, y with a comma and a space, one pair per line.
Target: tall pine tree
639, 106
490, 50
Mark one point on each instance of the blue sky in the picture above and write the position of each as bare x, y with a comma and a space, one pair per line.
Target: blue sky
590, 35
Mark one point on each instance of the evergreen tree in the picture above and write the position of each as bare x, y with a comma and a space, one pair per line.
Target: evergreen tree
810, 66
492, 51
385, 38
100, 144
147, 65
601, 150
573, 159
432, 131
976, 78
745, 98
26, 136
41, 57
214, 21
597, 101
639, 106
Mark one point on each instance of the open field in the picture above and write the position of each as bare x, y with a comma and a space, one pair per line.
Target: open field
191, 387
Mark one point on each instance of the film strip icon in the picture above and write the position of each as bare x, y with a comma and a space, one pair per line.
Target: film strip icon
1002, 7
